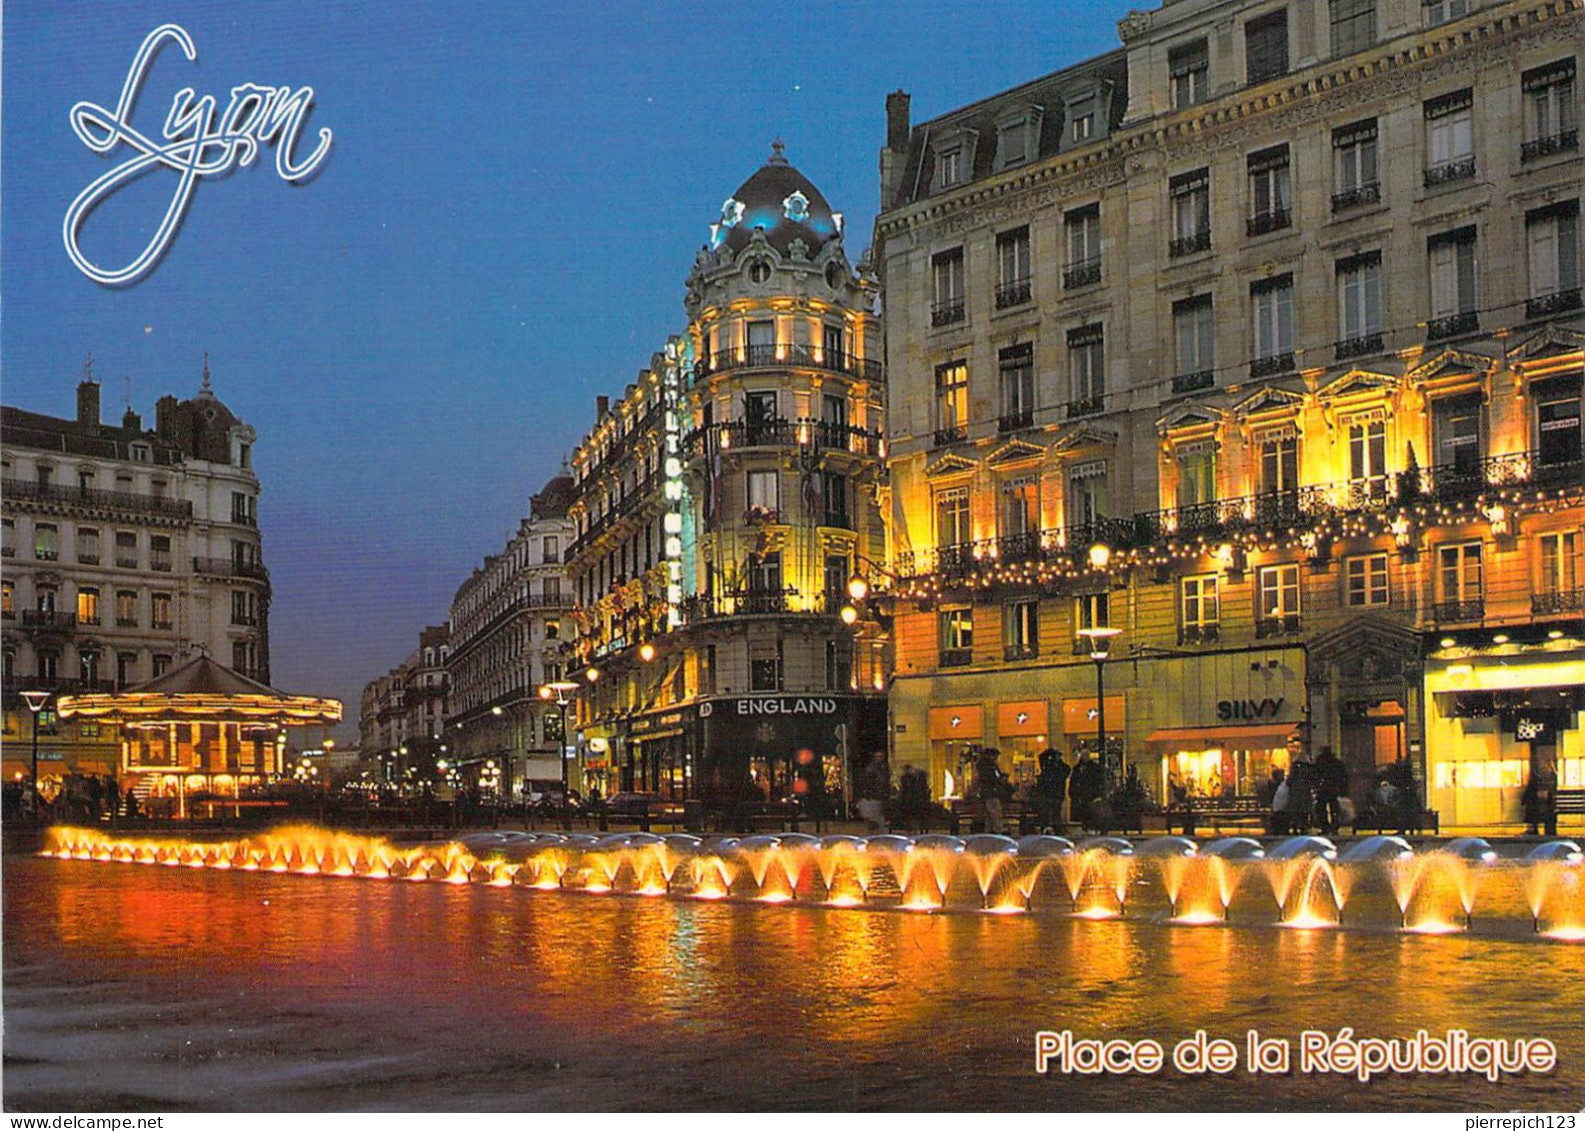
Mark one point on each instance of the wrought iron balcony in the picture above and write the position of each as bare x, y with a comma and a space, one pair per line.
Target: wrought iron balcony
841, 520
1355, 197
761, 516
1013, 652
948, 312
756, 602
22, 490
1558, 302
1282, 624
956, 657
227, 567
1273, 221
1359, 346
126, 563
1558, 601
1271, 365
1016, 421
1466, 322
1188, 245
1086, 406
1013, 293
1458, 612
47, 620
952, 434
1193, 382
801, 355
1447, 171
1084, 273
1540, 147
1198, 633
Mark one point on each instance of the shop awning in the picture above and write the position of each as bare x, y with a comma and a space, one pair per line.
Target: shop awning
1261, 737
100, 768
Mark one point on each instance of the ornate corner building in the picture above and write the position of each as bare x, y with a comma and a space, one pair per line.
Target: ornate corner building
723, 504
1259, 339
127, 551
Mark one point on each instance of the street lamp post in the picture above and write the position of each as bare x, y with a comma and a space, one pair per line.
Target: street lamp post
560, 689
35, 701
1100, 648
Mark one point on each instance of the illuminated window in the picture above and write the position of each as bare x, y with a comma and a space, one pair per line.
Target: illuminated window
87, 605
7, 599
1020, 510
957, 636
1367, 579
1200, 607
159, 610
764, 495
1021, 630
952, 401
1278, 597
952, 517
1559, 562
1367, 454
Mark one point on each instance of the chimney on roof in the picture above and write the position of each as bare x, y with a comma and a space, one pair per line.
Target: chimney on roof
165, 417
88, 402
897, 103
131, 421
602, 408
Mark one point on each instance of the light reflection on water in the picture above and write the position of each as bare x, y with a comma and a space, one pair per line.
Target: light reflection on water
315, 994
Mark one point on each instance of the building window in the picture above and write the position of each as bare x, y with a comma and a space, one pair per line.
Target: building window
160, 552
1552, 234
1559, 567
46, 542
87, 605
1021, 630
1196, 476
947, 268
1086, 502
1270, 191
1081, 120
1272, 303
1190, 67
1191, 212
1194, 327
550, 549
1266, 46
162, 664
837, 572
1353, 26
1279, 462
1367, 456
47, 665
1551, 116
1355, 172
1278, 596
1451, 256
1367, 579
159, 610
1017, 370
1200, 606
1558, 435
957, 637
949, 166
126, 669
8, 599
126, 549
552, 590
126, 608
952, 517
834, 496
952, 402
44, 598
765, 666
1015, 138
1020, 509
1459, 574
87, 545
1359, 305
244, 607
553, 630
764, 496
1012, 257
1087, 369
1084, 247
1456, 436
839, 665
1090, 610
8, 538
1441, 11
88, 668
1450, 140
243, 509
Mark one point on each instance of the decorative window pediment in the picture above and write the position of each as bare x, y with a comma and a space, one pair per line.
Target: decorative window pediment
1018, 136
949, 465
1273, 400
1450, 363
1550, 342
1015, 452
1079, 436
1188, 418
1359, 383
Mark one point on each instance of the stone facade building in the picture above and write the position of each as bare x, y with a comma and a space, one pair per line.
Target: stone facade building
723, 504
402, 719
126, 552
1259, 339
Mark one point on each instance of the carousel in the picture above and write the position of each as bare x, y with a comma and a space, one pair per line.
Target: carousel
200, 733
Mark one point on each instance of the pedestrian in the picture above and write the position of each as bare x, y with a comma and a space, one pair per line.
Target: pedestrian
992, 786
1400, 775
1301, 795
913, 798
1085, 786
1051, 791
874, 789
1331, 786
1540, 800
1280, 795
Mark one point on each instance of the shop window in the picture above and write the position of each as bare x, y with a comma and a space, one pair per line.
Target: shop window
1367, 579
1201, 608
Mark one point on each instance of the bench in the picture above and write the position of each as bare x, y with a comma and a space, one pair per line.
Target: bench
1381, 821
969, 816
1218, 812
779, 816
1566, 803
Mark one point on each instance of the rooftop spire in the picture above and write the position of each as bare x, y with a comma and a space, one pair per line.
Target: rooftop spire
776, 157
88, 367
207, 389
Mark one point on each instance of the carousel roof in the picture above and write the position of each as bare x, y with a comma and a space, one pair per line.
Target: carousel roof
202, 691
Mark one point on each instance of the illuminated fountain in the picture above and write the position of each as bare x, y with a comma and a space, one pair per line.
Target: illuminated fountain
1382, 881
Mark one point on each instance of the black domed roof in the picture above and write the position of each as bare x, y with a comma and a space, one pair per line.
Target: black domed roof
781, 202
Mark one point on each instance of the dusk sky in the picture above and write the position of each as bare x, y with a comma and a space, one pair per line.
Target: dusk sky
514, 196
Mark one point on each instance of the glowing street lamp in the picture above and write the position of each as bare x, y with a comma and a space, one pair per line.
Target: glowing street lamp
35, 701
1100, 639
562, 690
858, 588
646, 651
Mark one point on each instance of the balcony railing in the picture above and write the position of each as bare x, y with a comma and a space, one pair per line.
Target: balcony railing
761, 516
1085, 273
1458, 612
956, 657
1447, 171
798, 354
1558, 302
226, 567
1537, 148
948, 312
1354, 197
87, 559
758, 602
1193, 382
1282, 624
1451, 326
840, 520
126, 563
772, 433
952, 434
1188, 245
1085, 406
1558, 601
1014, 293
1359, 346
1263, 222
1199, 633
1012, 652
46, 620
1016, 421
24, 490
1271, 365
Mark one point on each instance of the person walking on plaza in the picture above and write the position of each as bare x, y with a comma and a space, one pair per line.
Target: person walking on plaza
1085, 787
993, 788
1331, 786
874, 789
913, 798
1051, 791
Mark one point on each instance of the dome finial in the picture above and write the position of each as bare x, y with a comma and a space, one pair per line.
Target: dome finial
207, 389
776, 157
